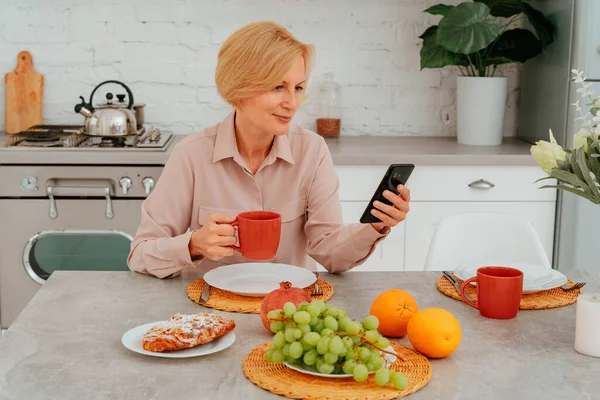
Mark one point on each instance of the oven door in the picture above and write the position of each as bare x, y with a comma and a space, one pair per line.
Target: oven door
81, 234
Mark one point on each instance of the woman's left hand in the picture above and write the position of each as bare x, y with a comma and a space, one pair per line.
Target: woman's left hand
391, 216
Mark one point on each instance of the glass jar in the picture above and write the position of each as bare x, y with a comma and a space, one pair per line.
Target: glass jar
329, 116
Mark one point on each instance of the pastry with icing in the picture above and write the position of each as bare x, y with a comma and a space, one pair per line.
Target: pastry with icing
183, 331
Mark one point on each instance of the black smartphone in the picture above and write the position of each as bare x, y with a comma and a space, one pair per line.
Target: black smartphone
395, 175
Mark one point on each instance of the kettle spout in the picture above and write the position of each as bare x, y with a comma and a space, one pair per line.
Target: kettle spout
83, 108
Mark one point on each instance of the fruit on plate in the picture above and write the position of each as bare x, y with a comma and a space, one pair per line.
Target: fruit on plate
394, 308
322, 337
277, 298
434, 332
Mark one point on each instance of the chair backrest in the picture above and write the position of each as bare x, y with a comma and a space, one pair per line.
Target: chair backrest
489, 239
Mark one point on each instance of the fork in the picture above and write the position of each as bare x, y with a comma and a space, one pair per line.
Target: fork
577, 285
316, 289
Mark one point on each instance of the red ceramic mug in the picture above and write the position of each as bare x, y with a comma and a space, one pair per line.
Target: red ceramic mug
499, 291
258, 234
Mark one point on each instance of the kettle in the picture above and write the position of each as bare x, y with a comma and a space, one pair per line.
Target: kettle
112, 120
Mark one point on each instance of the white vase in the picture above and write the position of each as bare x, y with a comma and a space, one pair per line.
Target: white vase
480, 110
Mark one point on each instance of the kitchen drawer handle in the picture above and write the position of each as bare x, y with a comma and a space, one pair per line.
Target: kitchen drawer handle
481, 184
78, 191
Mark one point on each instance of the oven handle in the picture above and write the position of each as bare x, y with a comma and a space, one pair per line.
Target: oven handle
105, 191
32, 240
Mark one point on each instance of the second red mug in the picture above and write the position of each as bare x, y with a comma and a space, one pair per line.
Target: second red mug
499, 291
258, 233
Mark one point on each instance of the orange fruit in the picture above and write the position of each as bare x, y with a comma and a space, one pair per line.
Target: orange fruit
434, 332
394, 308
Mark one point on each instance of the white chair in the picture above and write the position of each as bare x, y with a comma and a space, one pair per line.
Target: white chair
489, 239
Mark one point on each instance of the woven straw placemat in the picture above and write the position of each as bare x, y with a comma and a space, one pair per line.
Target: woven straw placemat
281, 380
227, 301
546, 299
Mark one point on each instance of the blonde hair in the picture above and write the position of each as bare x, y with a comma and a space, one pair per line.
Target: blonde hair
256, 58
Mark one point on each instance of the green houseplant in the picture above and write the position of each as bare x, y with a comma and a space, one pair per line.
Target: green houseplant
476, 37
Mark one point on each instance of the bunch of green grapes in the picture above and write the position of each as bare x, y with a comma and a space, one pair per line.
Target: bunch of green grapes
323, 337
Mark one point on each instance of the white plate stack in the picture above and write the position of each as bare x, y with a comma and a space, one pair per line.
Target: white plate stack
535, 277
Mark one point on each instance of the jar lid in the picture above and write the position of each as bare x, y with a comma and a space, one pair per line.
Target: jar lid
329, 82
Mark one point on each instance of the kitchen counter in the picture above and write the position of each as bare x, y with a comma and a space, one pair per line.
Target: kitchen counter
385, 150
67, 343
345, 150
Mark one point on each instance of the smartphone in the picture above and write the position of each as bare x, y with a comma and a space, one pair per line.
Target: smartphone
395, 175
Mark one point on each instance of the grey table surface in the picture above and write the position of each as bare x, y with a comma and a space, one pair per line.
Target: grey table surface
67, 343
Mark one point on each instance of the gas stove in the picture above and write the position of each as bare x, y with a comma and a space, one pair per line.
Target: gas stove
73, 136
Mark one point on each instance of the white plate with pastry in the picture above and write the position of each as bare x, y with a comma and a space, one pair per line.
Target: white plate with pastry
257, 279
182, 336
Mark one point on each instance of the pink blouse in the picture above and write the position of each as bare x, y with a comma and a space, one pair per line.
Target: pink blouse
206, 174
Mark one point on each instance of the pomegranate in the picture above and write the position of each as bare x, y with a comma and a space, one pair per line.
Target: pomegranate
278, 297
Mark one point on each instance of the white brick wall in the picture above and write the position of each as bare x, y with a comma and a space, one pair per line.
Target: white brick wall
165, 50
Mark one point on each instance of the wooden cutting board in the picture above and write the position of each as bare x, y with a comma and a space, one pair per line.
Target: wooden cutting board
24, 92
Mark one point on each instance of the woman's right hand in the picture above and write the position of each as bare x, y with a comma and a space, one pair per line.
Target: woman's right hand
215, 239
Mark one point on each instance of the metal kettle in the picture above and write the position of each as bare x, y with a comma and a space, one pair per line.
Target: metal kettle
112, 120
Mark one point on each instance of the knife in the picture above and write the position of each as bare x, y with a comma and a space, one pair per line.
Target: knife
205, 294
449, 276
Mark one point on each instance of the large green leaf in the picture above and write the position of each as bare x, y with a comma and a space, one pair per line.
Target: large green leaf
575, 167
544, 28
585, 170
516, 44
569, 178
439, 9
594, 161
467, 28
544, 178
431, 31
585, 195
433, 55
503, 8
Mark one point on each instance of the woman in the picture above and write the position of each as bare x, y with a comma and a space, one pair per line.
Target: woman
253, 160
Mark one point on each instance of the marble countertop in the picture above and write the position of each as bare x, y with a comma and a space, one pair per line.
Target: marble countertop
66, 344
345, 150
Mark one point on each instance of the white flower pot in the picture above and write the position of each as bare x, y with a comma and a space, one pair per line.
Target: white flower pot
480, 110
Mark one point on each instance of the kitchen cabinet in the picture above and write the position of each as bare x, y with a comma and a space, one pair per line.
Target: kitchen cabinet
389, 253
438, 191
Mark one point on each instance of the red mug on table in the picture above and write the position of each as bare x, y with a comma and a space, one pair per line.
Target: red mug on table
499, 291
258, 234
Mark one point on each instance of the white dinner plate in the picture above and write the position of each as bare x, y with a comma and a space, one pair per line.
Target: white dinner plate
132, 339
257, 279
313, 371
535, 277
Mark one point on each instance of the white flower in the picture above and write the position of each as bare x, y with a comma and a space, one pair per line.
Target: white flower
546, 154
580, 139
